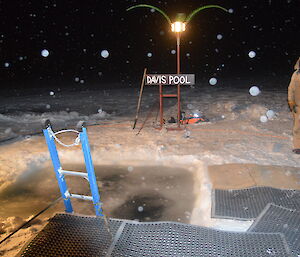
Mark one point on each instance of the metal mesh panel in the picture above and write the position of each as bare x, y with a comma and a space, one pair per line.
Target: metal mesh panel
278, 219
248, 203
174, 239
68, 235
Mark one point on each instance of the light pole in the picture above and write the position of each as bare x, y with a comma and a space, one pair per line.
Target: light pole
178, 27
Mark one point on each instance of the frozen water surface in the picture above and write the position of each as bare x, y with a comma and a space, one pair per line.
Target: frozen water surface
144, 193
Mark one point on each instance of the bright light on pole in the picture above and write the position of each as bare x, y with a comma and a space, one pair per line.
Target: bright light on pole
178, 26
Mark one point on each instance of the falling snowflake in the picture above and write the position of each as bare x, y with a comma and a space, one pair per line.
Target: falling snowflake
190, 106
149, 55
104, 53
187, 134
270, 114
45, 53
263, 118
130, 168
251, 54
219, 36
8, 131
213, 81
254, 91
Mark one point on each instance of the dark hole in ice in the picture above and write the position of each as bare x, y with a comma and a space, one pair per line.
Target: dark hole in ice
146, 207
146, 193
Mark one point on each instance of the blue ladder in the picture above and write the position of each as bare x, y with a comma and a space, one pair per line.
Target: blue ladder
60, 173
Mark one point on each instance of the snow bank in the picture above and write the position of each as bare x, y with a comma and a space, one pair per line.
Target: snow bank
29, 123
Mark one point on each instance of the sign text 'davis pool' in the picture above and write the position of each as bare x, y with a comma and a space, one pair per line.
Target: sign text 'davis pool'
170, 79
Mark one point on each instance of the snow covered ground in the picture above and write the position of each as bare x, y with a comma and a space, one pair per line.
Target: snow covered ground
235, 133
233, 113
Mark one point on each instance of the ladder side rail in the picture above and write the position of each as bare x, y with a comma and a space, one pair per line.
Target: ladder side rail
57, 166
91, 173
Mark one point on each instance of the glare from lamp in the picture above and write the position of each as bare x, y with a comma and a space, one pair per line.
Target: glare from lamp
178, 26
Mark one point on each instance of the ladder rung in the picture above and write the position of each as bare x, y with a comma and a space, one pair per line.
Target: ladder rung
82, 197
74, 173
169, 95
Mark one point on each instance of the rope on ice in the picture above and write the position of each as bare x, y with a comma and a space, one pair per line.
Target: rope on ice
77, 139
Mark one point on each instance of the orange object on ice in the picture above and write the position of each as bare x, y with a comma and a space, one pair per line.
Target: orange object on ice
193, 119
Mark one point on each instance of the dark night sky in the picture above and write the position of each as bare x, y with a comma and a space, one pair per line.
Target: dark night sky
75, 33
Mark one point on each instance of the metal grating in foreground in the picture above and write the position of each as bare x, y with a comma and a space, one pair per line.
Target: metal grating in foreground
69, 235
247, 204
275, 219
72, 235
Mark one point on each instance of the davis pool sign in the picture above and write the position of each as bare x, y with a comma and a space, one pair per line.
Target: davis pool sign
170, 79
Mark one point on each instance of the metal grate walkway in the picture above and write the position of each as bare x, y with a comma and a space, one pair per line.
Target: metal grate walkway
70, 235
279, 219
245, 204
